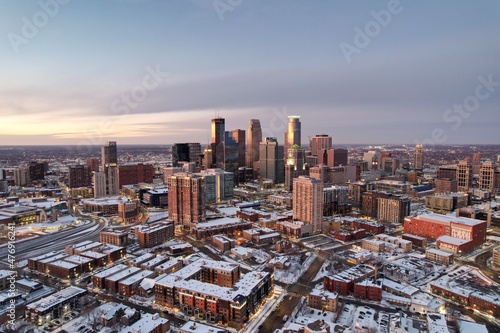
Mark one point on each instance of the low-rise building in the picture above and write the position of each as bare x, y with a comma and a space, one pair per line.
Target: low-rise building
439, 256
54, 306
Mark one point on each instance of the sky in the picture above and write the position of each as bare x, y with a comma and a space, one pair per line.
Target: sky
155, 72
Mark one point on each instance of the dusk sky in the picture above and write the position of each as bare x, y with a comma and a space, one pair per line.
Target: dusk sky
81, 71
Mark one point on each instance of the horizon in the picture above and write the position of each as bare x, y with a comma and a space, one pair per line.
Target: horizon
151, 71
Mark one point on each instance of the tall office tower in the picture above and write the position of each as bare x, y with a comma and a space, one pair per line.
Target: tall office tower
109, 162
112, 184
194, 152
254, 138
319, 142
185, 152
208, 157
186, 199
295, 165
308, 201
93, 164
219, 185
464, 176
109, 155
37, 170
180, 153
292, 135
230, 154
271, 161
218, 136
79, 176
99, 180
332, 157
419, 157
487, 176
21, 176
238, 135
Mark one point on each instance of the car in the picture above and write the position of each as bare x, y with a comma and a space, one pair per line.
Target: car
260, 327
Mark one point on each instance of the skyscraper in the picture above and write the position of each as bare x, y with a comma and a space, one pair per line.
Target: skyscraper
186, 199
464, 175
419, 156
292, 135
79, 176
319, 142
109, 160
254, 137
295, 165
109, 155
271, 160
238, 135
218, 144
308, 201
487, 176
186, 152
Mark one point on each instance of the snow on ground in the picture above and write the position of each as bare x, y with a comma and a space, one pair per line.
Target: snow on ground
323, 271
364, 319
295, 270
347, 315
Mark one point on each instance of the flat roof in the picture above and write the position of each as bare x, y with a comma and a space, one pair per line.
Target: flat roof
111, 271
123, 274
137, 277
57, 298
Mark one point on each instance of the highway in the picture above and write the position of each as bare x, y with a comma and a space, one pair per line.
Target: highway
53, 242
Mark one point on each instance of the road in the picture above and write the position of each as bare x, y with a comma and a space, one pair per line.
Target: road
53, 242
301, 288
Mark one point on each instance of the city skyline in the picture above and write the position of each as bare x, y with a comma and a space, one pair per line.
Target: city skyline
413, 78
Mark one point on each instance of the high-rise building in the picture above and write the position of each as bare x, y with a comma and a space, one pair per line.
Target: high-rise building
79, 176
186, 152
295, 165
109, 160
37, 170
308, 201
320, 142
218, 144
93, 164
194, 152
109, 155
231, 154
21, 176
219, 185
464, 175
419, 157
180, 152
99, 181
135, 174
393, 209
238, 136
208, 157
271, 161
292, 135
186, 199
254, 138
332, 157
487, 176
